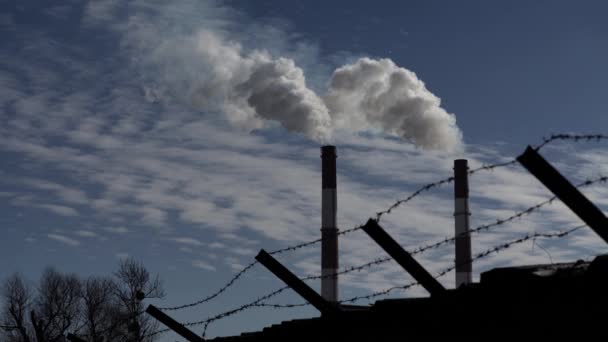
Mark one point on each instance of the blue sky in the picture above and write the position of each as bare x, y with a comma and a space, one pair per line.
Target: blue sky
123, 134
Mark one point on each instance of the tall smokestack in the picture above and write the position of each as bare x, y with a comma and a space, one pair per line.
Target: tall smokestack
329, 230
464, 273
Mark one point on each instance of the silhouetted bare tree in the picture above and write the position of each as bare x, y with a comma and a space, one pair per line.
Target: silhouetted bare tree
17, 298
57, 307
134, 285
98, 309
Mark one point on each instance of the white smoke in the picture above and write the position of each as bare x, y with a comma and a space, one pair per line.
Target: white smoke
251, 88
379, 94
254, 88
210, 69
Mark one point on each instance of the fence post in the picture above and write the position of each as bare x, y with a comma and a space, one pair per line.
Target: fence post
565, 191
373, 229
173, 324
296, 284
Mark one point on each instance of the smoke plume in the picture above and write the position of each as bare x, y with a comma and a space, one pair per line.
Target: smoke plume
379, 94
210, 69
252, 89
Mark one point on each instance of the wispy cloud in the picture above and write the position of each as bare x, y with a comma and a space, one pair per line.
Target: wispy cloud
121, 255
87, 234
58, 209
116, 230
113, 146
186, 241
63, 239
203, 265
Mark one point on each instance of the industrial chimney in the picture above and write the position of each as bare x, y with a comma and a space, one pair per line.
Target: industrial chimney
464, 273
329, 230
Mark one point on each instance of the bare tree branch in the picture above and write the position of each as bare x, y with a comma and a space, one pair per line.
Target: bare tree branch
17, 298
134, 285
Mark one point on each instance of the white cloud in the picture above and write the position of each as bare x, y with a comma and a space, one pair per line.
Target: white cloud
186, 249
86, 233
63, 239
116, 230
67, 194
217, 245
58, 209
121, 255
186, 241
203, 265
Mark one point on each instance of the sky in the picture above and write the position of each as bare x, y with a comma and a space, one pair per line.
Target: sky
186, 134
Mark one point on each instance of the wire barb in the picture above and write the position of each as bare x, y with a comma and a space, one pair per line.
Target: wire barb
571, 137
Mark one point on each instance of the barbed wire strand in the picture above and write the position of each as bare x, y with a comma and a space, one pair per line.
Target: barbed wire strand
415, 194
215, 294
379, 215
517, 215
440, 182
484, 227
375, 262
546, 141
571, 137
506, 245
259, 302
440, 243
226, 313
496, 249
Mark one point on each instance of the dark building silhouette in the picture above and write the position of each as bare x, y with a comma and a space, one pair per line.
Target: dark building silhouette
515, 301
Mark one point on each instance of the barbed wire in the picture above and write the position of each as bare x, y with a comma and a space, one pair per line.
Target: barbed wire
440, 243
250, 266
260, 301
506, 245
573, 137
215, 294
546, 141
379, 293
492, 166
379, 215
246, 269
350, 269
440, 182
493, 250
313, 242
517, 215
415, 194
225, 314
484, 227
421, 249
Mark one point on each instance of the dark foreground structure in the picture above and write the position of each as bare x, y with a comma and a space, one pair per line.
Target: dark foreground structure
516, 301
540, 300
